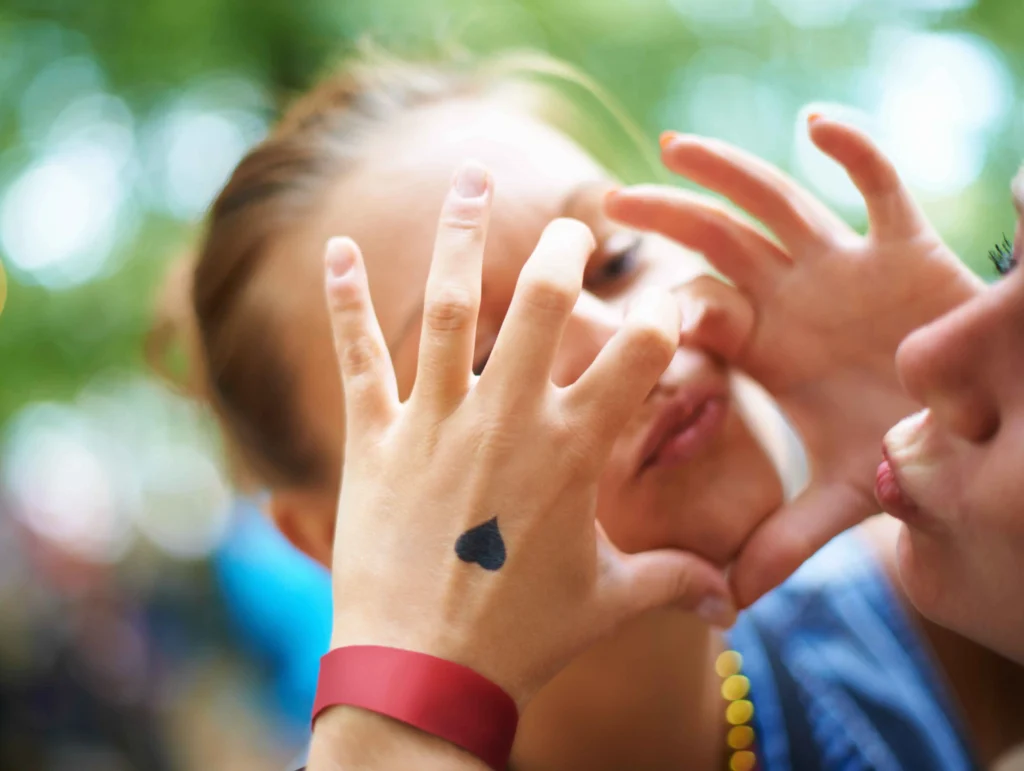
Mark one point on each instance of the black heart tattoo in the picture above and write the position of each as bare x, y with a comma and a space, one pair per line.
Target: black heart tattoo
482, 545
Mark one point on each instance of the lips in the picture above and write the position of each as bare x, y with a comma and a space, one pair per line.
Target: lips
684, 426
891, 496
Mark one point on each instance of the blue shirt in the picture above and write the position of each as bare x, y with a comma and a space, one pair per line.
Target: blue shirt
840, 679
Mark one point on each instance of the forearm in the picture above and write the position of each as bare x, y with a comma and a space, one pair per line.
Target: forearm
351, 739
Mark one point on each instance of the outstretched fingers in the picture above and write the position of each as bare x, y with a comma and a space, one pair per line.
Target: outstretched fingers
734, 246
368, 377
798, 218
549, 285
891, 209
452, 300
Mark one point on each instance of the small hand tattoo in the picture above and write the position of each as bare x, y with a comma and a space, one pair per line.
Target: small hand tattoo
483, 545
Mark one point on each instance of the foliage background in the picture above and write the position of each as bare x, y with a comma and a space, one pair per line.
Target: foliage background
118, 122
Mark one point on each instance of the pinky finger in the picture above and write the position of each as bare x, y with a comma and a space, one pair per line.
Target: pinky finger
891, 210
367, 375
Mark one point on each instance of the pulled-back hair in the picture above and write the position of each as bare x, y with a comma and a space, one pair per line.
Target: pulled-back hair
238, 362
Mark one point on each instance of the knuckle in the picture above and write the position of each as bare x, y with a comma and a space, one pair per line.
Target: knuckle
464, 216
345, 297
451, 309
547, 294
649, 348
359, 356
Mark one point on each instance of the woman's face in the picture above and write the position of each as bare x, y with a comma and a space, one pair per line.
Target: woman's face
686, 472
960, 464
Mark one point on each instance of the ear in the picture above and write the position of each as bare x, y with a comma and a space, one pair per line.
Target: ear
307, 521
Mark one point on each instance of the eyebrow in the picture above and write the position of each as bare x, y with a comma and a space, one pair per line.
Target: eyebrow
417, 312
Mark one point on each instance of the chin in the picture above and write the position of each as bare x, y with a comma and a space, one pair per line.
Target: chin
949, 590
919, 562
708, 505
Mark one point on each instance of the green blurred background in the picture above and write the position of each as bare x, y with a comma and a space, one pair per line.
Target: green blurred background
141, 621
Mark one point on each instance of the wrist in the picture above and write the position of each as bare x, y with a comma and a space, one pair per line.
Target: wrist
352, 738
440, 698
440, 642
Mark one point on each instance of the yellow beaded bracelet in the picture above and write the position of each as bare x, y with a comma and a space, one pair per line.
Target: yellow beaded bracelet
738, 712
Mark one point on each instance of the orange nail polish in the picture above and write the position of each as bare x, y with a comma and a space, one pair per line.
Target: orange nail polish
666, 138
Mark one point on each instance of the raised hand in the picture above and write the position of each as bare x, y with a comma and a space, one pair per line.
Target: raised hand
466, 524
820, 311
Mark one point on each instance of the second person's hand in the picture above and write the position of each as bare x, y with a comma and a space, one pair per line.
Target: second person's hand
818, 315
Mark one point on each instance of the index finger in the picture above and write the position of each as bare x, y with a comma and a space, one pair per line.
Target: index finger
795, 216
891, 210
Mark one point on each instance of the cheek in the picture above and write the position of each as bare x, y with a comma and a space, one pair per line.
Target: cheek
710, 505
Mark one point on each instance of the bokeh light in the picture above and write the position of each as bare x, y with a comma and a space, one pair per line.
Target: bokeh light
55, 475
194, 142
123, 546
939, 100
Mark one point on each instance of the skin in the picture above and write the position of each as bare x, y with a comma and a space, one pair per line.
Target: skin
631, 699
830, 308
511, 448
673, 704
958, 463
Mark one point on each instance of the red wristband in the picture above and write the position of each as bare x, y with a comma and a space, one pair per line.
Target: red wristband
439, 697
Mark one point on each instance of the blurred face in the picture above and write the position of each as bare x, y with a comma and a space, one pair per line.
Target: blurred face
958, 466
686, 472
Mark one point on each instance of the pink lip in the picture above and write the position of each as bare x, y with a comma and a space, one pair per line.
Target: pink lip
685, 425
891, 496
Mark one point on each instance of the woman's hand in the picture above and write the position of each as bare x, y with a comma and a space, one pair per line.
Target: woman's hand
466, 522
818, 315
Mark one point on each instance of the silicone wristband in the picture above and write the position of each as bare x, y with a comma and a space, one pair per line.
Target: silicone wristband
439, 697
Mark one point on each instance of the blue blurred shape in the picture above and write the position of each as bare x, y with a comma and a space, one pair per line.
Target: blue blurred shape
281, 602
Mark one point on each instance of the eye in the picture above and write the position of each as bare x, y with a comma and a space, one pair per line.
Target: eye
618, 259
1003, 256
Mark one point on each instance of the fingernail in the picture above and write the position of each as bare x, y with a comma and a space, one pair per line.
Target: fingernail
340, 256
717, 612
666, 139
471, 180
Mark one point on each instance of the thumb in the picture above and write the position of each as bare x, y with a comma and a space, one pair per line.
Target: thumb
791, 536
670, 577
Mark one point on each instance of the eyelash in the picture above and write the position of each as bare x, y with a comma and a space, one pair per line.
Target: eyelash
1003, 256
621, 264
612, 270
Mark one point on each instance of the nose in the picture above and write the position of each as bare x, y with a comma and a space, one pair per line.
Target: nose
947, 366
